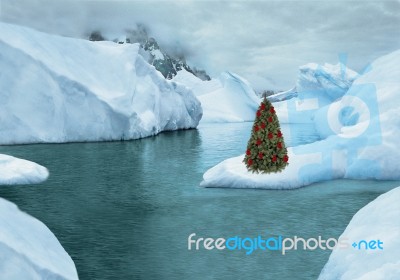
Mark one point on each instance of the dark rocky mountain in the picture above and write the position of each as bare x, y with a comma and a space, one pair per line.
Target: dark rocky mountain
166, 63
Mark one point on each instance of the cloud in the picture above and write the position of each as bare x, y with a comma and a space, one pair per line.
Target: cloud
264, 41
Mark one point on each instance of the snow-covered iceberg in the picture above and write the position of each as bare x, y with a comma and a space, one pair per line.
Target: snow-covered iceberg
360, 133
333, 80
230, 98
58, 89
28, 249
379, 220
316, 86
19, 171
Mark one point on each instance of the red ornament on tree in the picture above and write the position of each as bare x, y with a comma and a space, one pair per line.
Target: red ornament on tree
262, 106
273, 158
259, 142
248, 152
263, 125
270, 119
270, 135
250, 162
272, 110
256, 128
258, 114
285, 158
279, 134
260, 155
279, 145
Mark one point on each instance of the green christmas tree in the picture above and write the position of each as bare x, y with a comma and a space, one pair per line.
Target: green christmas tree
266, 151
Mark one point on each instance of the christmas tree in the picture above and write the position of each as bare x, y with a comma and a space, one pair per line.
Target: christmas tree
266, 150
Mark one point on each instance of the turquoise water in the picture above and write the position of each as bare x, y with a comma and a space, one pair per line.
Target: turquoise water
124, 210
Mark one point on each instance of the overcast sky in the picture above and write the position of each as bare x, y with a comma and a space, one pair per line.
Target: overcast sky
263, 41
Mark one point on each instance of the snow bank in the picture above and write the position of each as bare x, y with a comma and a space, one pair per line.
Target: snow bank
28, 249
229, 98
232, 173
316, 86
198, 86
19, 171
60, 89
377, 220
360, 135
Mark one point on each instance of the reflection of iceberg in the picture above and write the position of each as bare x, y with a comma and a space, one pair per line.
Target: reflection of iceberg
229, 98
379, 220
59, 89
357, 145
29, 250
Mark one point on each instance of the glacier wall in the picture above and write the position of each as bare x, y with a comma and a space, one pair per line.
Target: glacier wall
59, 89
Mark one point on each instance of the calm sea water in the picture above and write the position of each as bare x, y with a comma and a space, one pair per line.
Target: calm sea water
124, 210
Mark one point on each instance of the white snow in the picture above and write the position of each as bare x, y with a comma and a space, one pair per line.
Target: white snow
198, 86
157, 54
19, 171
377, 220
358, 143
284, 95
28, 249
59, 89
230, 98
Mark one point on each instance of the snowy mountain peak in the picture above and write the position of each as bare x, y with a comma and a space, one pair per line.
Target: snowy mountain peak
169, 65
151, 45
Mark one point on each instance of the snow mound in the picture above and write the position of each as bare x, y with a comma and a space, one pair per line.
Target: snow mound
316, 86
232, 173
28, 249
230, 98
59, 89
198, 86
377, 220
360, 132
19, 171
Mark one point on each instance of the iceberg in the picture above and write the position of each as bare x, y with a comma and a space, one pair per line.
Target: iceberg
316, 86
359, 133
230, 98
59, 89
378, 220
332, 80
28, 249
19, 171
